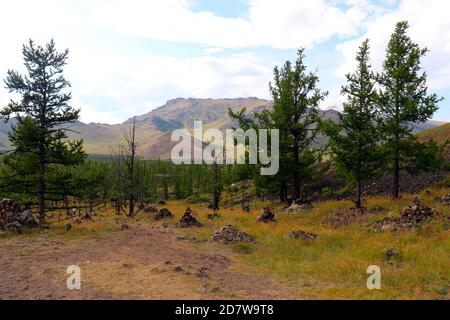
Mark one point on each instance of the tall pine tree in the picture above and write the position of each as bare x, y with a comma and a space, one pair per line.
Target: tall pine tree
354, 139
403, 99
39, 137
296, 114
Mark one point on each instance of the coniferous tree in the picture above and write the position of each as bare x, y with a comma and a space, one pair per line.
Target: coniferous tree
354, 140
403, 99
39, 137
296, 114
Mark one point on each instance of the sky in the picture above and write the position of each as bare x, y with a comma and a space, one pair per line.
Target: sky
128, 57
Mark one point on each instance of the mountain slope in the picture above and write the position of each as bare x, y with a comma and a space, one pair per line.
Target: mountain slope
153, 129
440, 134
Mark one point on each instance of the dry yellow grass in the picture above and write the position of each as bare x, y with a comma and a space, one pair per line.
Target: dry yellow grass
332, 267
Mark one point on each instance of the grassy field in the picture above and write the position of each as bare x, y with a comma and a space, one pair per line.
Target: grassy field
331, 267
334, 266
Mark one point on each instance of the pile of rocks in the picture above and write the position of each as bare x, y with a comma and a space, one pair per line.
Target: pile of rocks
299, 205
300, 234
267, 216
409, 218
188, 220
446, 200
163, 213
230, 234
14, 216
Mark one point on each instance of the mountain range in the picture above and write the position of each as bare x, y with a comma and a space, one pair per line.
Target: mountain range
153, 129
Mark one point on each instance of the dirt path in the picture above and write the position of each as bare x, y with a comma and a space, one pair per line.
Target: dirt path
146, 262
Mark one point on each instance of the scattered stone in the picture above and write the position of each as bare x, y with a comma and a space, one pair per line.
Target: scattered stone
447, 223
168, 262
267, 216
163, 213
202, 272
230, 234
299, 205
390, 253
300, 234
87, 216
178, 269
188, 220
127, 265
409, 218
125, 227
416, 200
13, 215
68, 227
446, 200
246, 208
165, 225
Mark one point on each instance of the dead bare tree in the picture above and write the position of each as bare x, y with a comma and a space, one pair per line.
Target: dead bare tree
128, 154
217, 186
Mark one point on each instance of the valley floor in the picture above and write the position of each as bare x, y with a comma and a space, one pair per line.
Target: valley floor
153, 261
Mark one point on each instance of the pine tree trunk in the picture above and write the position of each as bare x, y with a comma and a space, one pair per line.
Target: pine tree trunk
296, 173
358, 194
395, 186
282, 192
41, 186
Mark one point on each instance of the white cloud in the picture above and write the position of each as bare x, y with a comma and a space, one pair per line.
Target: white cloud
137, 79
112, 82
211, 51
429, 26
279, 24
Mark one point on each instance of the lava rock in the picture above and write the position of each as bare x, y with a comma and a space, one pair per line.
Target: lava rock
409, 218
163, 213
86, 216
188, 220
299, 206
446, 200
230, 234
178, 269
13, 214
391, 253
300, 234
267, 216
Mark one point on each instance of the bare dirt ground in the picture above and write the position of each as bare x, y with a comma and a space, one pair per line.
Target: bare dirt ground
145, 262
